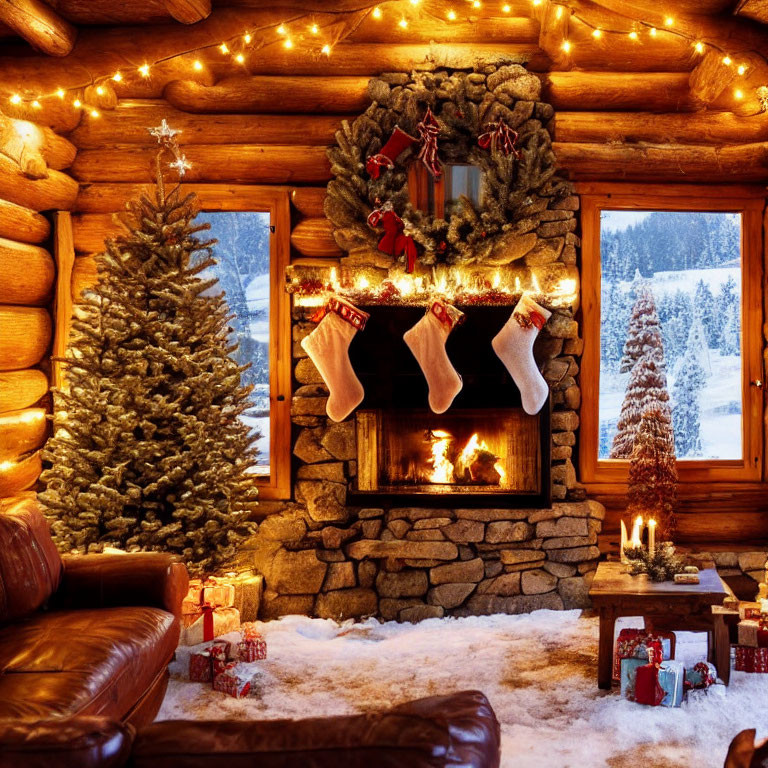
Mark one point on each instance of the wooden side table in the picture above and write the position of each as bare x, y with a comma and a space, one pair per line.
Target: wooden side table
665, 606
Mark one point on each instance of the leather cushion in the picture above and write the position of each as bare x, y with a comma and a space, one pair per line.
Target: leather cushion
82, 742
84, 662
455, 730
30, 566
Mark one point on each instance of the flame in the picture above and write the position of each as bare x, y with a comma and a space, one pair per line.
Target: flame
442, 469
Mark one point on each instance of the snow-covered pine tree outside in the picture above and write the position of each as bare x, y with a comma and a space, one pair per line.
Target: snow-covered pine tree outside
691, 264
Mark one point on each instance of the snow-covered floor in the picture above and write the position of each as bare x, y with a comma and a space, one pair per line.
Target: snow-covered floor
538, 670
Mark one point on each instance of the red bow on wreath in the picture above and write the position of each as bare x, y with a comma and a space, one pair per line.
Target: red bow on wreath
429, 129
499, 136
395, 242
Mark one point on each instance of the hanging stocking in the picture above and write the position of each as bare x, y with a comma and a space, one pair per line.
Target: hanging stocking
427, 342
385, 158
514, 346
328, 348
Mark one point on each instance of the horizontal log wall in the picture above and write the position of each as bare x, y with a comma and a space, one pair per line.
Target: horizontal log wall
621, 114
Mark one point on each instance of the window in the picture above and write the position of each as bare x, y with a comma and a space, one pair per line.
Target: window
438, 197
252, 250
672, 312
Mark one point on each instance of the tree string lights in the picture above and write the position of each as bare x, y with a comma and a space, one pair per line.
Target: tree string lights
304, 29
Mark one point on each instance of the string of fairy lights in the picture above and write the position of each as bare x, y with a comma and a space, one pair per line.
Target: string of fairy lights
304, 34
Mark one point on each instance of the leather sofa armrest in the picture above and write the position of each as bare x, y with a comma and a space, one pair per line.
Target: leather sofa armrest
152, 579
77, 742
442, 731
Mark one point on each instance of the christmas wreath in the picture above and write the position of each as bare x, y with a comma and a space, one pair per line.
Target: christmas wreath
489, 117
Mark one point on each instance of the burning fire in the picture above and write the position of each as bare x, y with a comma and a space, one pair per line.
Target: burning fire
475, 463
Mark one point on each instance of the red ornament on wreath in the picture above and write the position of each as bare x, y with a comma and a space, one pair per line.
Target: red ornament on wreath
429, 130
385, 158
395, 242
500, 137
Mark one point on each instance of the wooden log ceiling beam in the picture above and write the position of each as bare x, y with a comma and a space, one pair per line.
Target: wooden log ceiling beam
39, 25
27, 273
55, 192
710, 77
128, 123
111, 13
188, 11
20, 389
22, 224
757, 10
554, 32
695, 128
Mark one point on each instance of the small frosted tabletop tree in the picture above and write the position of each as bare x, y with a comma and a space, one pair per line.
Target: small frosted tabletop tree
149, 452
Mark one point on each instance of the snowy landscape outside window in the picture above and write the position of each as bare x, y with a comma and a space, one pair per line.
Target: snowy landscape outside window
680, 273
243, 272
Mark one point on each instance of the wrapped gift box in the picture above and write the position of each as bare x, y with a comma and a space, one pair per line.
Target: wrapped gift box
648, 688
248, 590
748, 629
252, 647
234, 680
207, 623
671, 679
218, 592
634, 643
749, 659
629, 669
749, 610
200, 670
700, 675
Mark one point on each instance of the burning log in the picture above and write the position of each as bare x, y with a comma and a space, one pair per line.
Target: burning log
478, 465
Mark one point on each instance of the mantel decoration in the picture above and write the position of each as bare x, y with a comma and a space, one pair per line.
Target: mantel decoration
490, 118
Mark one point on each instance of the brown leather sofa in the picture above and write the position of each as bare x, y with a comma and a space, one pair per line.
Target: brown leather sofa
745, 753
442, 731
89, 635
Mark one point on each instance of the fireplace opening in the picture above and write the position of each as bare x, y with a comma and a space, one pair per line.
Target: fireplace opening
483, 451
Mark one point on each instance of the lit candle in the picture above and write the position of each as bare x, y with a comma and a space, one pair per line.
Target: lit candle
623, 543
651, 536
637, 531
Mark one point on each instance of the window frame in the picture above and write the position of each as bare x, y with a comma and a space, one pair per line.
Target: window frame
216, 198
701, 199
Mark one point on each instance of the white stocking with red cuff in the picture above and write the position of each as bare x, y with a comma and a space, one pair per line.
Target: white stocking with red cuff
328, 348
514, 346
427, 342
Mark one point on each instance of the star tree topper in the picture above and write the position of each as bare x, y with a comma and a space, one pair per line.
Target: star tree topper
166, 138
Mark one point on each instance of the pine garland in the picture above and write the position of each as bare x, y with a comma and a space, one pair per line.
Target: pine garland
515, 189
148, 451
662, 565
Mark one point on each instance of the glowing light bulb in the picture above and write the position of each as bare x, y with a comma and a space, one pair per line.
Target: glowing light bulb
117, 77
536, 2
197, 64
742, 69
99, 90
326, 49
281, 30
738, 93
668, 21
5, 465
414, 2
506, 8
224, 48
403, 23
597, 34
376, 12
60, 93
559, 12
77, 103
632, 35
240, 58
288, 43
652, 31
477, 4
15, 99
144, 70
36, 104
727, 61
94, 113
314, 29
247, 38
566, 46
699, 46
451, 15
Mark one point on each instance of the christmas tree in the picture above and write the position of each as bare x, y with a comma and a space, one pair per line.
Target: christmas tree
689, 382
644, 333
149, 452
652, 489
647, 388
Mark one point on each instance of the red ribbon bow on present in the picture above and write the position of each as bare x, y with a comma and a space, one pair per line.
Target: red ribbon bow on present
429, 129
207, 611
395, 242
499, 136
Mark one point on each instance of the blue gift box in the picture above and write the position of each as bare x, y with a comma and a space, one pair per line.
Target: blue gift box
671, 677
701, 675
628, 674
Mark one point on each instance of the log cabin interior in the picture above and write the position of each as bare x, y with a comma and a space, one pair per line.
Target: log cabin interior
412, 350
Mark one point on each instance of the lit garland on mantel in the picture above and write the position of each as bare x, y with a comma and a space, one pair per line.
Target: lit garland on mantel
302, 33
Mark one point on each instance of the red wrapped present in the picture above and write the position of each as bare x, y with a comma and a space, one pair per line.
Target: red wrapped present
200, 670
634, 644
648, 690
207, 623
233, 680
749, 659
253, 647
219, 653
